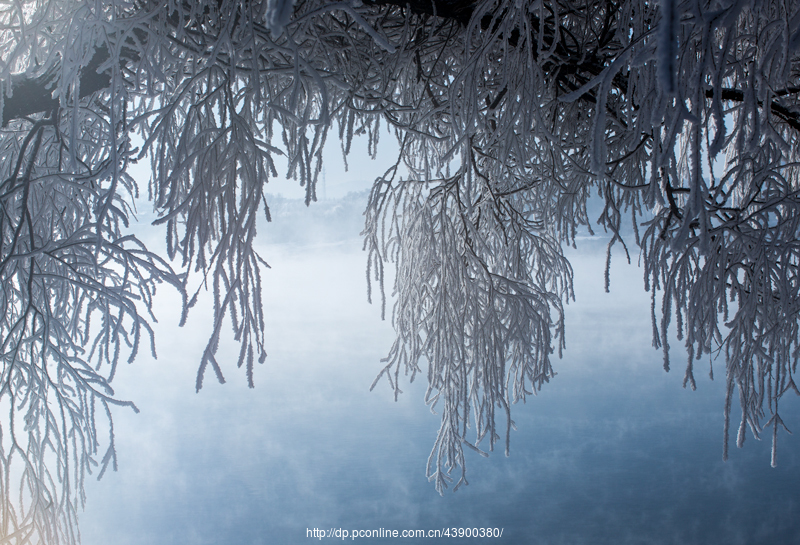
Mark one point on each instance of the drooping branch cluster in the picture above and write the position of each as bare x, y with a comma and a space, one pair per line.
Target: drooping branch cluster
74, 299
77, 288
682, 116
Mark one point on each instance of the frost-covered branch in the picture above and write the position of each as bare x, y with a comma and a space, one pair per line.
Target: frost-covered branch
682, 116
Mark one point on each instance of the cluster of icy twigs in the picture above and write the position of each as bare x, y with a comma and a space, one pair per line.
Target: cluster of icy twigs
682, 116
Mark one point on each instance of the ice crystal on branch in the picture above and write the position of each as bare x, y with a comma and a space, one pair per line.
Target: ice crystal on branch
682, 116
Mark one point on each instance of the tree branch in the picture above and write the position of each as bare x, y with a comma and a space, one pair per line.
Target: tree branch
735, 95
446, 9
33, 96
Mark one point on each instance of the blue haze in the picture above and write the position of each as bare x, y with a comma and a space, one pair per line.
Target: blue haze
612, 451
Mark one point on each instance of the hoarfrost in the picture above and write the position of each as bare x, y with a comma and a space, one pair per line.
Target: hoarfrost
508, 116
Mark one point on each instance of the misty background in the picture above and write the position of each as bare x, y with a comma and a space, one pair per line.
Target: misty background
613, 450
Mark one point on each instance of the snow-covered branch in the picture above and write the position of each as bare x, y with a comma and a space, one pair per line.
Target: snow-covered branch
684, 117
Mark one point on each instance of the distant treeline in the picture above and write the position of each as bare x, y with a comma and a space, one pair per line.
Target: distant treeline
326, 221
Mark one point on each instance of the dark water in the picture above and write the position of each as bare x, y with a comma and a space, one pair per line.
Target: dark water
613, 450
